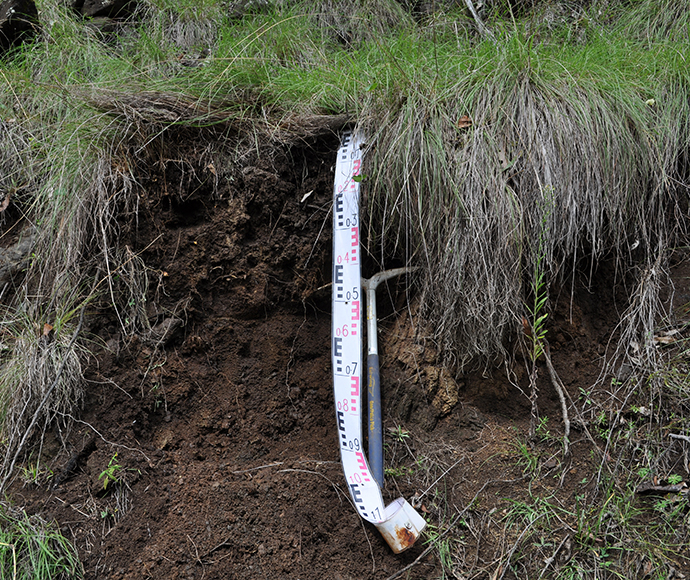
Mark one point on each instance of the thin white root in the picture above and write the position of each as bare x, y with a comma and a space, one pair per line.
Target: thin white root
560, 389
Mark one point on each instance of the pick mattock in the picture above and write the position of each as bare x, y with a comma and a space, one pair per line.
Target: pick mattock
374, 385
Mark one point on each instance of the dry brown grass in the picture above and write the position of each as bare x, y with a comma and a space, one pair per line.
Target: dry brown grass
466, 187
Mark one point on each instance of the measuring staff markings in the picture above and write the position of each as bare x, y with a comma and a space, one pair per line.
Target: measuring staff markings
399, 523
346, 332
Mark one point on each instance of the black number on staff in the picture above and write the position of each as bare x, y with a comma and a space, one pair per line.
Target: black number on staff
354, 444
352, 295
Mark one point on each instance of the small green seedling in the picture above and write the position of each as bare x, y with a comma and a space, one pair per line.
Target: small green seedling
399, 434
111, 473
542, 429
675, 479
401, 471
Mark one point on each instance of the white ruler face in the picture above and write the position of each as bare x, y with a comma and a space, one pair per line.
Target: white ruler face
346, 333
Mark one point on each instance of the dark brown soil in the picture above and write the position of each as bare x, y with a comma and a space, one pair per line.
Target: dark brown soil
222, 417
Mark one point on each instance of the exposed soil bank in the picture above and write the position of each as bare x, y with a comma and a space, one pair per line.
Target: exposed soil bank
222, 417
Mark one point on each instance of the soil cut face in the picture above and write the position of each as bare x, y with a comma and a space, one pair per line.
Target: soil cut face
218, 424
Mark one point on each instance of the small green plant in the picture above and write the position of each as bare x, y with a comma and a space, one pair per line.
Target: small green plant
30, 474
33, 474
584, 395
108, 513
443, 546
675, 479
672, 509
527, 459
534, 326
112, 473
543, 433
158, 396
399, 434
601, 425
399, 471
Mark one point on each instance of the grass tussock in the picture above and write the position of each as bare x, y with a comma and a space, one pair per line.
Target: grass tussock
354, 23
32, 549
40, 385
474, 175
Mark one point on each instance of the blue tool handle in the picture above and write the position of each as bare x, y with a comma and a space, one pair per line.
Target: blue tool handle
375, 419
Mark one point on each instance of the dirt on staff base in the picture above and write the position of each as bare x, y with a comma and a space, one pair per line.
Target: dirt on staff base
220, 419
